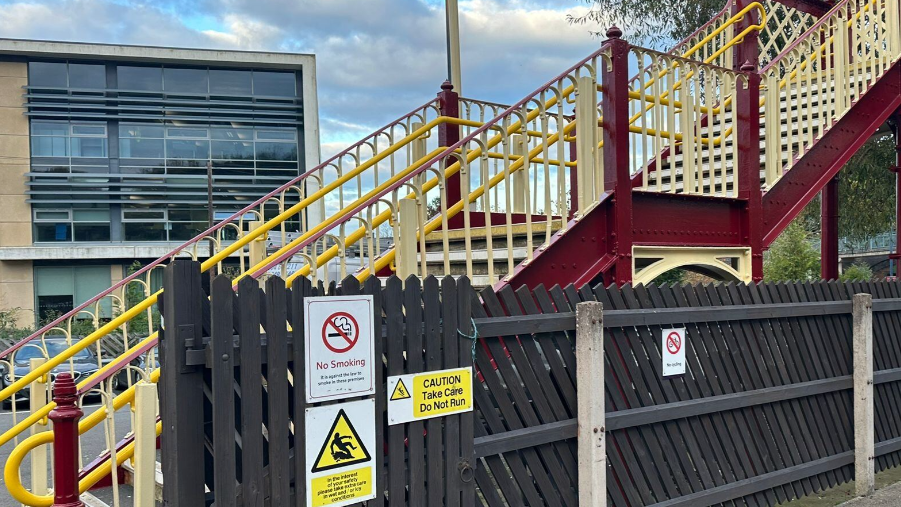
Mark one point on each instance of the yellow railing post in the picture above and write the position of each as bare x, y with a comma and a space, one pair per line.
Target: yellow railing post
519, 177
144, 460
257, 247
406, 243
586, 141
37, 400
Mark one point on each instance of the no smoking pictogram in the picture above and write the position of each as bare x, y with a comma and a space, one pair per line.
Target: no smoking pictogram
673, 342
340, 332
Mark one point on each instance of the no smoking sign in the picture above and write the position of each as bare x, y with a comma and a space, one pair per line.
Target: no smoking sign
340, 352
673, 352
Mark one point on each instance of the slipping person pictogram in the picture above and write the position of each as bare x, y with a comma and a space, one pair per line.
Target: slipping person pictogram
342, 446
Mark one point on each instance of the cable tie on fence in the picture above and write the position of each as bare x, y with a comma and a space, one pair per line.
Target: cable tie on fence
474, 337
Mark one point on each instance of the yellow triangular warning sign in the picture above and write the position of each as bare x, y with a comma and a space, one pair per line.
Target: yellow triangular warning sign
400, 391
342, 446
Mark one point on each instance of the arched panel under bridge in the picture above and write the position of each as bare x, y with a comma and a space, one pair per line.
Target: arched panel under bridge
722, 263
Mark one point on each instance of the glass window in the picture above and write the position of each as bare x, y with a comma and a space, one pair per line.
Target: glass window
42, 128
140, 78
89, 147
278, 84
187, 132
87, 76
276, 151
232, 150
141, 148
144, 214
289, 135
47, 74
187, 149
186, 80
91, 232
49, 147
54, 214
141, 131
143, 231
231, 82
49, 232
50, 307
89, 130
232, 134
91, 215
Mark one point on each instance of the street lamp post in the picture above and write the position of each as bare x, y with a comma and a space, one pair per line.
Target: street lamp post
453, 45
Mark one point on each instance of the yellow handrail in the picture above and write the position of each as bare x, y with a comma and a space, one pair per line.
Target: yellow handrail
14, 462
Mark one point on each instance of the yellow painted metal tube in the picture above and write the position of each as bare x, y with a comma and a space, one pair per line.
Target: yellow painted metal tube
215, 259
82, 344
14, 462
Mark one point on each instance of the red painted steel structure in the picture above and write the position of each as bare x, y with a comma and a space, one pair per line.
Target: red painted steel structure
829, 230
65, 419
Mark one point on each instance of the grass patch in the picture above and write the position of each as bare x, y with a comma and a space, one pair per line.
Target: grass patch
845, 492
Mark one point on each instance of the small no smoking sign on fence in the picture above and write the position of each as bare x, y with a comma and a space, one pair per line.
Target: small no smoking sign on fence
340, 347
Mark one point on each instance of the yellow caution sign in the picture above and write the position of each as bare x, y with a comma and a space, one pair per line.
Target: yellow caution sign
434, 394
400, 392
339, 441
342, 446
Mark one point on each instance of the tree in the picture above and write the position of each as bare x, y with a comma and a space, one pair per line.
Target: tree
791, 257
672, 276
653, 22
859, 272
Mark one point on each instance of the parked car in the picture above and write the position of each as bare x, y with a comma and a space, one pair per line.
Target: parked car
83, 364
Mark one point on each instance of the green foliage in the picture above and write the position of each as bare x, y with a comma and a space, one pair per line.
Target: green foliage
9, 328
859, 272
670, 277
791, 257
652, 22
134, 294
866, 193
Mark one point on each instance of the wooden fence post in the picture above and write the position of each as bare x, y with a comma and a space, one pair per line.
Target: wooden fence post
590, 392
864, 422
181, 386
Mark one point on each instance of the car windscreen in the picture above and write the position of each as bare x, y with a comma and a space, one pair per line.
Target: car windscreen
35, 350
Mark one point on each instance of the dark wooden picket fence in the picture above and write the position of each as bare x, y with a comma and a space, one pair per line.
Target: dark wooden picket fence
763, 415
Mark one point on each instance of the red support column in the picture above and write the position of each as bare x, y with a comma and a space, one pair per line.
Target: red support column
829, 230
615, 104
748, 166
65, 419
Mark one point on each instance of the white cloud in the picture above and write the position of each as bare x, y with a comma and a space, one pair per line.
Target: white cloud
377, 59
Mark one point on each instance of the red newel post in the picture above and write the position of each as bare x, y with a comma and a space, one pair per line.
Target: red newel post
748, 139
65, 419
615, 105
449, 134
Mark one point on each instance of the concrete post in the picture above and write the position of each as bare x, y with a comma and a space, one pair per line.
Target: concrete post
864, 422
590, 390
65, 442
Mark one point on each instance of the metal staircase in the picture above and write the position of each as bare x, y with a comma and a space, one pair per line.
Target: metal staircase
597, 175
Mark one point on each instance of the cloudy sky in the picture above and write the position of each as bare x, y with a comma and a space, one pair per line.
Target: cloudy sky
377, 59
